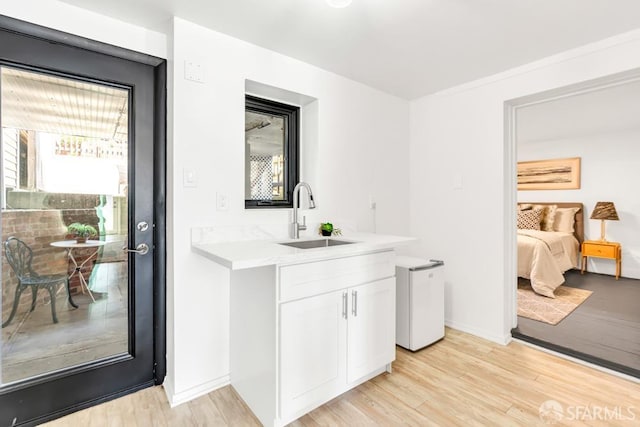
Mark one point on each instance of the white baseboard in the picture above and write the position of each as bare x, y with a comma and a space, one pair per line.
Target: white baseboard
167, 385
498, 339
176, 399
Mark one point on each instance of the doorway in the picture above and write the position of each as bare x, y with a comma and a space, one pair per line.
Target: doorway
597, 122
82, 291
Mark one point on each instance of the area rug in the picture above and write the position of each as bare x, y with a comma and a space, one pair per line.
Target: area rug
549, 310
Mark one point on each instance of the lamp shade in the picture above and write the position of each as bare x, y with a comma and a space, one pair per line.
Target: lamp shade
605, 210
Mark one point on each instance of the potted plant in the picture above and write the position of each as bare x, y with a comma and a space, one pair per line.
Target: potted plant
327, 229
81, 232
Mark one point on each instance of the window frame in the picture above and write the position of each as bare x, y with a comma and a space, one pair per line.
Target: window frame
291, 115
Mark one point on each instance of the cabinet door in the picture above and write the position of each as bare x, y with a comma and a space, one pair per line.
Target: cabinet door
312, 351
371, 341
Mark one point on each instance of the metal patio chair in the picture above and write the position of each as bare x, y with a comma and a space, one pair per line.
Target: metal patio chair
19, 256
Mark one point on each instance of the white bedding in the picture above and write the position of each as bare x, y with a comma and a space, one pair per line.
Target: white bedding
543, 257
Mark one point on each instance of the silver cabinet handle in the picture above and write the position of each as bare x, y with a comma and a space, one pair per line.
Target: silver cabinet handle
141, 249
354, 303
344, 305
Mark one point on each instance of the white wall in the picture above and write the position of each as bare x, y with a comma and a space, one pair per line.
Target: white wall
359, 147
356, 148
458, 136
610, 171
74, 20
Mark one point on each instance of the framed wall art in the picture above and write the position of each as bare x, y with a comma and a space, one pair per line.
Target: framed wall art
551, 174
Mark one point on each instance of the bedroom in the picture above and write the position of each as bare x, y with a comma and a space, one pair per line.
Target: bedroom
593, 316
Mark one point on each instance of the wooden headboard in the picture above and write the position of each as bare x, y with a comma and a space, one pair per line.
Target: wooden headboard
579, 223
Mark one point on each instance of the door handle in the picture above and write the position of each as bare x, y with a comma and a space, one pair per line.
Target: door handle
354, 303
141, 249
344, 305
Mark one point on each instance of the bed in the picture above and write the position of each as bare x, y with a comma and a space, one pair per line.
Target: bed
544, 255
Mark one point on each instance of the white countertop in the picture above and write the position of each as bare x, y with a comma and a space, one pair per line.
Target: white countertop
258, 253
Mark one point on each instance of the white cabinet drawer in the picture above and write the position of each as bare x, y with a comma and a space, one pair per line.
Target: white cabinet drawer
314, 278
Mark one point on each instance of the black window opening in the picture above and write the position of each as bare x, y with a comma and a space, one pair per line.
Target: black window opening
272, 141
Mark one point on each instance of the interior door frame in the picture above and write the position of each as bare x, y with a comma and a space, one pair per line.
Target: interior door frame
511, 108
159, 175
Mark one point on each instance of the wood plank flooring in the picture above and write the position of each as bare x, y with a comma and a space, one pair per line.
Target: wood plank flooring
606, 325
460, 381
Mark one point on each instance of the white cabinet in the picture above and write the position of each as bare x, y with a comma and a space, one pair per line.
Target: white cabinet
313, 278
313, 341
303, 334
371, 331
329, 341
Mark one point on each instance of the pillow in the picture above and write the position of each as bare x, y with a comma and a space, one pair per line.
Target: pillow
524, 206
548, 216
564, 220
529, 220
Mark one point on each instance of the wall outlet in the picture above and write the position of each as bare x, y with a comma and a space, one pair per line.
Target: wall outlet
222, 202
372, 202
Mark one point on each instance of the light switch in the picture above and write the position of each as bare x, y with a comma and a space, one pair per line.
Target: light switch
193, 71
457, 182
189, 178
222, 202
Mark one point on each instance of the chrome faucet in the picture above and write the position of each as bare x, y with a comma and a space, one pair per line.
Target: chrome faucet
294, 227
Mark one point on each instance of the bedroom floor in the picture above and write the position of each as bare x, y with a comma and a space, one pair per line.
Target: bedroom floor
606, 326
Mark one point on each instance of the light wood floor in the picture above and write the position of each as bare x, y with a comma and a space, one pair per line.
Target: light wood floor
461, 381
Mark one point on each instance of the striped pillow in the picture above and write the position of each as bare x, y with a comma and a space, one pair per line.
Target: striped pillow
529, 220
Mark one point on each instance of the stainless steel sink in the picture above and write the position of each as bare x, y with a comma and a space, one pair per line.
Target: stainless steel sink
316, 243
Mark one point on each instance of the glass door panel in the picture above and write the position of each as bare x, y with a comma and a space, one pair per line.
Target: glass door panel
65, 283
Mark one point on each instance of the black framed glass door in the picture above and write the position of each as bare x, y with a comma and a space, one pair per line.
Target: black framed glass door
82, 234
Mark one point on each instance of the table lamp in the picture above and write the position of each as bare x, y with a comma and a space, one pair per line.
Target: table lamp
604, 211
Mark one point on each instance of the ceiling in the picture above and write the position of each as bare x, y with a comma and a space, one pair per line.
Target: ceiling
409, 48
45, 103
607, 110
264, 134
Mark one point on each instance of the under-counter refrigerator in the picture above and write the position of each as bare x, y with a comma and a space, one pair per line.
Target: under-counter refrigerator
419, 302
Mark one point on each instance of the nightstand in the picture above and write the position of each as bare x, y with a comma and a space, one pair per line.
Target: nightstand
601, 249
